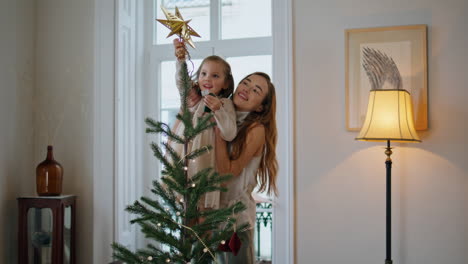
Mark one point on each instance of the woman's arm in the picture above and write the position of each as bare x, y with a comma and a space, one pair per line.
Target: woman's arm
253, 146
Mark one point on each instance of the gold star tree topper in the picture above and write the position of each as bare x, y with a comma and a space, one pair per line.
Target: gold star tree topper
178, 26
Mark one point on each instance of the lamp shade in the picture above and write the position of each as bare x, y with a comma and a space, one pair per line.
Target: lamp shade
389, 117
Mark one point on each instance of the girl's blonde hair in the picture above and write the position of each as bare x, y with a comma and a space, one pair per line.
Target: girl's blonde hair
228, 79
268, 169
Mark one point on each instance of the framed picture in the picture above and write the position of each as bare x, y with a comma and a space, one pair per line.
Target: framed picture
406, 46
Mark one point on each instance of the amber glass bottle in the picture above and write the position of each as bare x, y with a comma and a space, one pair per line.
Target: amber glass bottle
49, 175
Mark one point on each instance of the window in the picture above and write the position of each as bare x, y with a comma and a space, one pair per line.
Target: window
131, 87
237, 30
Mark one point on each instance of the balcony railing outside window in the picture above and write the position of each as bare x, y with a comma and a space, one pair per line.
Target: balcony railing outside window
263, 231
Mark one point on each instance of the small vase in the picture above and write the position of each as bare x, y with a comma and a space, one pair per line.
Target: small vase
49, 176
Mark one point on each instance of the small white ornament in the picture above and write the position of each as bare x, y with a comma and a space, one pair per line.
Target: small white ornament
150, 258
193, 184
223, 242
205, 250
159, 224
167, 209
178, 213
181, 200
168, 260
185, 168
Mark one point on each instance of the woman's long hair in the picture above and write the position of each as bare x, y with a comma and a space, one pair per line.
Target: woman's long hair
268, 169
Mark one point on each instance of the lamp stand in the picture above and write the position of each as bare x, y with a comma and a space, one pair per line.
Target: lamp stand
388, 165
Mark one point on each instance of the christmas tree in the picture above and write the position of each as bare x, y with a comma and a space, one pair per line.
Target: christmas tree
180, 232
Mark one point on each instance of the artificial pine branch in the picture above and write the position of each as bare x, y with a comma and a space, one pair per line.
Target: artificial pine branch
165, 194
123, 254
162, 128
158, 154
153, 231
198, 152
153, 203
172, 184
155, 217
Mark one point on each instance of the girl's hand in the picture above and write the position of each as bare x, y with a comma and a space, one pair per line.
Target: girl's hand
212, 102
180, 49
193, 98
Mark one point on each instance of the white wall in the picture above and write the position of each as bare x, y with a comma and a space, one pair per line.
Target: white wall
340, 184
17, 171
64, 113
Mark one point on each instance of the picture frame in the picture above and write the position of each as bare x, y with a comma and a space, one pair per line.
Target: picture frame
407, 46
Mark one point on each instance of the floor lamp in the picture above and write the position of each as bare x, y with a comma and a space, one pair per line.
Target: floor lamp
389, 118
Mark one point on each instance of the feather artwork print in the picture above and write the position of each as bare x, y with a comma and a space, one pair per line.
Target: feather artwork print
381, 69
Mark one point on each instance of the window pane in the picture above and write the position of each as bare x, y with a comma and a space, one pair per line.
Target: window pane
241, 66
170, 99
67, 233
245, 18
196, 10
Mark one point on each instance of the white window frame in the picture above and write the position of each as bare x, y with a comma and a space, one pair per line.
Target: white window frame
103, 139
105, 121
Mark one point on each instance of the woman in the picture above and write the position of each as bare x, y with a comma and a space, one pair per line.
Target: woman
251, 158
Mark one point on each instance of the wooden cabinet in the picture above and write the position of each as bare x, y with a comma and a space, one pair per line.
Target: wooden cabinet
46, 230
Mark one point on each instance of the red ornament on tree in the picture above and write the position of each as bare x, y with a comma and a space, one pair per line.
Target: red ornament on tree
233, 244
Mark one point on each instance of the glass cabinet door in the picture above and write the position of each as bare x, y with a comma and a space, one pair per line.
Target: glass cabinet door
67, 225
40, 223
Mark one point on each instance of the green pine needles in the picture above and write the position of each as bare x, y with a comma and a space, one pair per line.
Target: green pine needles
178, 230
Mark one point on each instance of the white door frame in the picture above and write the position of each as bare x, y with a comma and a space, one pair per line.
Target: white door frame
283, 210
103, 129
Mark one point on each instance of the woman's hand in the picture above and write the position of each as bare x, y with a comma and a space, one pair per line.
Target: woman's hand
180, 49
213, 102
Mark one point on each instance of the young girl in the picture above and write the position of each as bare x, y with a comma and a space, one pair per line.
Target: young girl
251, 157
213, 77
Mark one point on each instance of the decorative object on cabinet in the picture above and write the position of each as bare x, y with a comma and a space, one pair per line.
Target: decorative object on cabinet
49, 176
